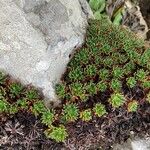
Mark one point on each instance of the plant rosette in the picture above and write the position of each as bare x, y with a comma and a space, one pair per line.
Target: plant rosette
132, 106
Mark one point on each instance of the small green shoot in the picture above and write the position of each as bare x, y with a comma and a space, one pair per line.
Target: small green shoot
32, 94
131, 82
141, 75
47, 117
38, 108
132, 106
86, 115
15, 89
103, 74
101, 86
118, 72
90, 70
3, 106
60, 90
99, 109
70, 112
76, 74
117, 100
116, 85
22, 103
91, 88
59, 134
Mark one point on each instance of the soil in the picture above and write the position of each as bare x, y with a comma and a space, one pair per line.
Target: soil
32, 137
116, 127
145, 9
100, 133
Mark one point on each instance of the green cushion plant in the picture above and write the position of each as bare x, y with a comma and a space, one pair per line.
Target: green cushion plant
99, 109
60, 90
144, 60
32, 94
76, 74
82, 57
128, 67
13, 109
146, 84
90, 71
116, 85
70, 112
15, 89
3, 106
86, 115
91, 88
141, 75
103, 74
38, 108
95, 80
77, 90
101, 86
59, 134
47, 117
108, 62
131, 82
117, 72
22, 104
117, 100
133, 106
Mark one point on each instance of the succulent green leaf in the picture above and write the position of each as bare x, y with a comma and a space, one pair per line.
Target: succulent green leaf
86, 115
97, 4
99, 109
59, 134
117, 100
70, 112
117, 20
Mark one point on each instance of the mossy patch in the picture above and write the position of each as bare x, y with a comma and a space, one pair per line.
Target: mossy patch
103, 76
111, 58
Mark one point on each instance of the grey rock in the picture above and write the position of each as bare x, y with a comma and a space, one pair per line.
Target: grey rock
36, 38
134, 144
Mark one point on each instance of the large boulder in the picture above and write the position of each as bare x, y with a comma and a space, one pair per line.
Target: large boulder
36, 38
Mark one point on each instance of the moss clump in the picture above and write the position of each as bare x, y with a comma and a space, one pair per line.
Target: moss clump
112, 63
70, 112
99, 109
15, 89
132, 106
86, 115
3, 106
59, 134
117, 100
110, 58
131, 82
47, 117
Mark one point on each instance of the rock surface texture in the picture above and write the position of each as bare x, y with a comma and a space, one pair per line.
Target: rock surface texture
37, 36
135, 144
